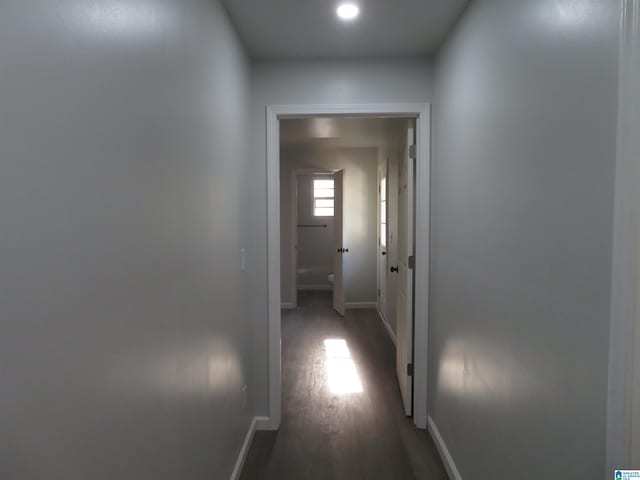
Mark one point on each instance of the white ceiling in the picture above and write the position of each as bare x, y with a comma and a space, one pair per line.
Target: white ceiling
310, 29
351, 132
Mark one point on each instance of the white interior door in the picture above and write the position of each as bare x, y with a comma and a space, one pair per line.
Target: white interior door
339, 250
383, 214
404, 269
393, 161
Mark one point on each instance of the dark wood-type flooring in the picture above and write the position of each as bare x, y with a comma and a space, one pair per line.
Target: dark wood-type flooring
343, 437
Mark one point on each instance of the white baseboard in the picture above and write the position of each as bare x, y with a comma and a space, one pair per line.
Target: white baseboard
287, 306
388, 328
320, 287
355, 305
447, 459
237, 469
257, 423
264, 423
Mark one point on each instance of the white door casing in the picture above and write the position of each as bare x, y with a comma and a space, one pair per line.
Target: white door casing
421, 112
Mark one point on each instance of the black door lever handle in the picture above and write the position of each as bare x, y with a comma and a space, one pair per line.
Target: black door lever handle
394, 269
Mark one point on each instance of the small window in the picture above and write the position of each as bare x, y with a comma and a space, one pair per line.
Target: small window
323, 197
383, 212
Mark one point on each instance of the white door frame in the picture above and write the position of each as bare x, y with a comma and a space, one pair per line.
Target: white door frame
295, 173
422, 113
623, 406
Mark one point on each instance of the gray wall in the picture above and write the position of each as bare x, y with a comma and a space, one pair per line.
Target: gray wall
123, 336
524, 151
360, 197
318, 82
315, 246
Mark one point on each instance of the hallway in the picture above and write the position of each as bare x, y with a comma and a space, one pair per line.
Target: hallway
171, 173
358, 435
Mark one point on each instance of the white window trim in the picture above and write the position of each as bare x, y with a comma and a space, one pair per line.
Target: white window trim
313, 197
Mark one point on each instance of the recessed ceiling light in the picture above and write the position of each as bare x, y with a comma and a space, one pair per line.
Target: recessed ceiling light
348, 11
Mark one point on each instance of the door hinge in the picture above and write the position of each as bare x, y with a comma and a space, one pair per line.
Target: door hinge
412, 152
412, 262
410, 370
378, 293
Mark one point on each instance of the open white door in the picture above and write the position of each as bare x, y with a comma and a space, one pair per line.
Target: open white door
383, 266
404, 291
339, 250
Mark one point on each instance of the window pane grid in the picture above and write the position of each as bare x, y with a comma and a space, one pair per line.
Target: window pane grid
323, 193
324, 202
328, 183
323, 212
323, 197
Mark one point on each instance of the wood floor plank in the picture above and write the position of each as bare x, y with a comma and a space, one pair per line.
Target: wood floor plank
348, 436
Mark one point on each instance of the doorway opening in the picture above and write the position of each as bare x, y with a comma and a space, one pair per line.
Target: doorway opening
312, 208
348, 223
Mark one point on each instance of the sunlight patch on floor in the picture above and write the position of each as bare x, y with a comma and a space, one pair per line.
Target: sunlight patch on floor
341, 370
